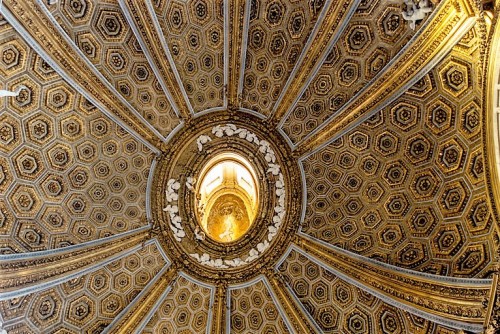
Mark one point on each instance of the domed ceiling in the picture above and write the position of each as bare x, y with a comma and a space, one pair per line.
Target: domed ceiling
363, 125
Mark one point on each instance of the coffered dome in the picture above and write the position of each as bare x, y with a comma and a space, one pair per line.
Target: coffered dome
263, 166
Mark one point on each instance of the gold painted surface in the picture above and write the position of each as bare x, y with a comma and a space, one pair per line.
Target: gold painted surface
236, 13
184, 310
492, 321
105, 38
253, 251
386, 184
151, 36
228, 219
464, 301
29, 272
339, 306
88, 302
220, 310
253, 310
227, 198
365, 47
69, 175
196, 44
298, 319
129, 322
41, 28
453, 19
274, 44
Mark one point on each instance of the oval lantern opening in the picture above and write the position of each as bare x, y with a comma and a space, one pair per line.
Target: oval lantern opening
227, 197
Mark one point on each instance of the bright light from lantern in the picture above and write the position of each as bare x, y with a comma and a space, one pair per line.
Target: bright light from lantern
227, 197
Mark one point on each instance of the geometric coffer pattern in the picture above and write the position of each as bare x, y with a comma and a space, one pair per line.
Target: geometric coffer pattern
101, 32
196, 43
184, 310
277, 34
407, 186
340, 307
253, 311
86, 304
68, 174
373, 37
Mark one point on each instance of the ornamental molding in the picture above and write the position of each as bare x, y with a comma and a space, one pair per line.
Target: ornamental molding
174, 204
220, 131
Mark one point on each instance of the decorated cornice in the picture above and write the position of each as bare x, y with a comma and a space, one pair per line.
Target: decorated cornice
492, 321
491, 111
26, 273
454, 302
